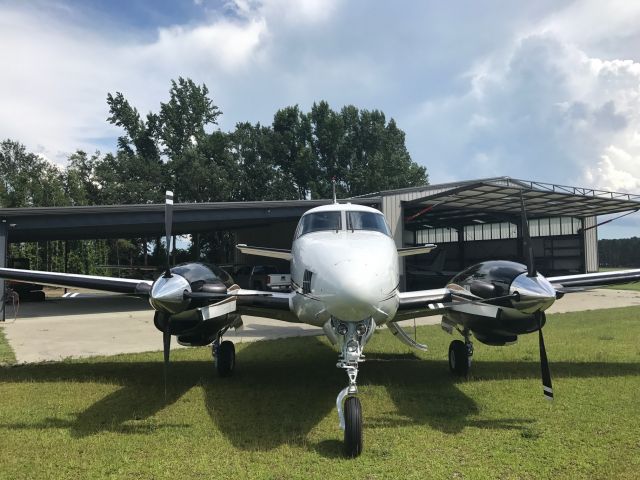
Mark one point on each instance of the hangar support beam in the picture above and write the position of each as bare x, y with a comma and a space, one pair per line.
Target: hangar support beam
4, 244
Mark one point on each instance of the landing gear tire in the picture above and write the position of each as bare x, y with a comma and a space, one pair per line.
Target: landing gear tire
225, 358
459, 358
353, 427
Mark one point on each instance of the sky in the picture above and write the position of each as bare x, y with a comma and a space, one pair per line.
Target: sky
546, 90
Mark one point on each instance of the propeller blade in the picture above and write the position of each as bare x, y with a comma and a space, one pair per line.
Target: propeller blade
168, 221
166, 344
528, 247
547, 388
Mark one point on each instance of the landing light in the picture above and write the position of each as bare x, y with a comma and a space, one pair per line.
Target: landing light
352, 346
342, 329
361, 329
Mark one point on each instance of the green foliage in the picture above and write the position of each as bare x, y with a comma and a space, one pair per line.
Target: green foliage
178, 148
622, 252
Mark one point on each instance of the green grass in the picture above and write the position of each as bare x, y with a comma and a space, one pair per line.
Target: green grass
276, 417
7, 356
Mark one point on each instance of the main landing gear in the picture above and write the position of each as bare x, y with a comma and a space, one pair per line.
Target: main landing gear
224, 354
460, 354
352, 337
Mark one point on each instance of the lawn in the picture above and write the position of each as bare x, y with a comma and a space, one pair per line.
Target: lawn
6, 353
276, 418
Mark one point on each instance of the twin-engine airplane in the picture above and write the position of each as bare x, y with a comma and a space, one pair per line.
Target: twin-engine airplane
344, 275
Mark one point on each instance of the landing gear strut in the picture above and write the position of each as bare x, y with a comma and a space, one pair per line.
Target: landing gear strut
460, 354
352, 337
224, 354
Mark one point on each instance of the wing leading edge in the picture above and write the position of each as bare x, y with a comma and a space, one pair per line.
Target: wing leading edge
93, 282
576, 283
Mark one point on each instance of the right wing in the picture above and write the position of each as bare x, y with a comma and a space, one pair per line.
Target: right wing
93, 282
579, 282
406, 251
274, 305
265, 251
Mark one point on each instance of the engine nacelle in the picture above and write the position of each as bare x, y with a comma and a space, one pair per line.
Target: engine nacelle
495, 340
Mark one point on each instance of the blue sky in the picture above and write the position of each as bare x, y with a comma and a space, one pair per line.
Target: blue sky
545, 90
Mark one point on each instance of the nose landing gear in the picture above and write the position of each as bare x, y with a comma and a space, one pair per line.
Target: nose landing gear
352, 337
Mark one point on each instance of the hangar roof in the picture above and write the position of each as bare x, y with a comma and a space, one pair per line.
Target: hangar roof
498, 200
109, 221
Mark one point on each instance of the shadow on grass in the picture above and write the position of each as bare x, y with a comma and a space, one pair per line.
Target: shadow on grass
282, 389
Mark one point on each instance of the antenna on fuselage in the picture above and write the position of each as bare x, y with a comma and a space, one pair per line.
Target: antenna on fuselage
333, 183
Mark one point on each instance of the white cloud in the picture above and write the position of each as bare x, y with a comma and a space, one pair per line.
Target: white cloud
546, 111
537, 90
59, 68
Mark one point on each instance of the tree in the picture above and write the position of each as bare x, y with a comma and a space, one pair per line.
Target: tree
27, 180
291, 152
182, 120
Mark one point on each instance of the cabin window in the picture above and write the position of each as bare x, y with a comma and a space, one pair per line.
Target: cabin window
318, 221
367, 221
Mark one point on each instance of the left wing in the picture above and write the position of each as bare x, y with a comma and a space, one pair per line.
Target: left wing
425, 303
576, 283
93, 282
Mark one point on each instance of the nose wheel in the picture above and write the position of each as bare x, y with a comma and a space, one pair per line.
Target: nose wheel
352, 338
352, 427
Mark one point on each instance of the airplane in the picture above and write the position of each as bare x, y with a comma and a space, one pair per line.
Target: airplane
345, 279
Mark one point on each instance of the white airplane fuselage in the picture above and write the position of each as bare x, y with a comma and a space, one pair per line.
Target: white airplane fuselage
351, 274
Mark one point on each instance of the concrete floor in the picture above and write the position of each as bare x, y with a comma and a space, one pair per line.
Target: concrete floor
104, 324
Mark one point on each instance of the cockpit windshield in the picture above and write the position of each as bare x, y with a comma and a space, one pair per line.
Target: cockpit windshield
367, 221
317, 221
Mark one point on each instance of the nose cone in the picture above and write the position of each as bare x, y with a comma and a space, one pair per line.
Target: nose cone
167, 294
354, 281
356, 293
536, 293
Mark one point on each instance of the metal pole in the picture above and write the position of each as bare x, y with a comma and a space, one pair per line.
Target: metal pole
4, 234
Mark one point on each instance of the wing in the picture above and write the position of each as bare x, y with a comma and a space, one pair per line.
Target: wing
406, 251
266, 304
425, 303
576, 283
275, 305
108, 284
422, 303
265, 251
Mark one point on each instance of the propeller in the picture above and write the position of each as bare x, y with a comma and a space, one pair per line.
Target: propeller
526, 240
166, 344
168, 220
166, 331
547, 388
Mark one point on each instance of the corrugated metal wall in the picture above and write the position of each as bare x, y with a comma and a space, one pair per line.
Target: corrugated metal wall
591, 260
392, 210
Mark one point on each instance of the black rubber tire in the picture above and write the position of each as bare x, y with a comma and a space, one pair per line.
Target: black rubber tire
352, 427
458, 358
226, 358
